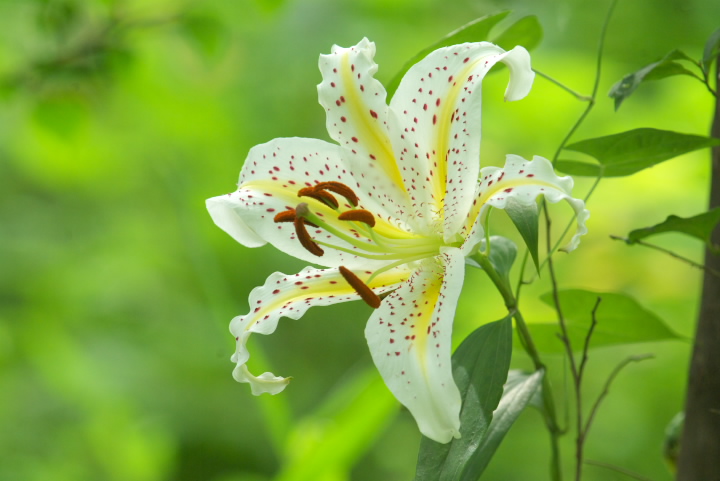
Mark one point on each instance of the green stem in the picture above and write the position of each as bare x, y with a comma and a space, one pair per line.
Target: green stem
581, 97
596, 85
690, 262
529, 345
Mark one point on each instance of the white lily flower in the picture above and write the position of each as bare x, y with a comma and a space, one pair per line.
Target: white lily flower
393, 208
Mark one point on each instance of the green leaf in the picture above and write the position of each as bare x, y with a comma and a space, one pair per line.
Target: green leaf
620, 320
632, 151
700, 226
475, 31
665, 67
526, 32
711, 50
525, 217
523, 391
517, 377
503, 252
480, 368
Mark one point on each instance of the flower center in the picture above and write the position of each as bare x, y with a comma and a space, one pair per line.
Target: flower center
358, 230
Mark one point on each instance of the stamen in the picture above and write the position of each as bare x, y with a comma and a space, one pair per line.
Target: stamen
366, 294
339, 188
285, 216
361, 215
318, 194
305, 239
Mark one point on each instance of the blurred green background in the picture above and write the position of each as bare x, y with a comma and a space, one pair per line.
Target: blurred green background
119, 118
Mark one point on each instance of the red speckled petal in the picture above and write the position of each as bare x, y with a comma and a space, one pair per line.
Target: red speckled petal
271, 177
410, 339
291, 296
436, 114
357, 119
524, 181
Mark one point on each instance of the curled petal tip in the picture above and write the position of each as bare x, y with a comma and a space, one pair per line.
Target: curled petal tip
266, 382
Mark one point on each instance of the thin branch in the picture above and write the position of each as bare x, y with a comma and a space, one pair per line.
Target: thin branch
618, 469
580, 97
606, 388
596, 85
586, 346
690, 262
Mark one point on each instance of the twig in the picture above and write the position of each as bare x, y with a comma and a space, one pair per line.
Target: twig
580, 97
606, 388
577, 377
668, 252
586, 346
618, 469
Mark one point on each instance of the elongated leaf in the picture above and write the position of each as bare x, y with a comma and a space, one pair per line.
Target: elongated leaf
665, 67
480, 368
632, 151
517, 377
526, 217
700, 226
503, 252
620, 320
523, 391
711, 50
475, 31
526, 32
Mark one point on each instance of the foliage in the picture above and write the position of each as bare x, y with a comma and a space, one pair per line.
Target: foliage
120, 118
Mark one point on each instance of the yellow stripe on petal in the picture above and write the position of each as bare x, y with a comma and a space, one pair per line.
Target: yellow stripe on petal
367, 125
410, 339
291, 296
523, 181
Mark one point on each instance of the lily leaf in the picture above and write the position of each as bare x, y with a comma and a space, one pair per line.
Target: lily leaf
480, 368
700, 226
527, 32
711, 50
517, 377
665, 67
632, 151
503, 252
474, 31
620, 320
521, 390
526, 218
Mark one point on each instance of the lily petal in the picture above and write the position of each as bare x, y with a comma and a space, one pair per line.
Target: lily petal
523, 181
410, 341
291, 296
436, 113
271, 177
357, 119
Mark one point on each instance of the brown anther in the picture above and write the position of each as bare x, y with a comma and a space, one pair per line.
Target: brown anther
341, 189
285, 216
366, 294
324, 197
360, 215
305, 239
